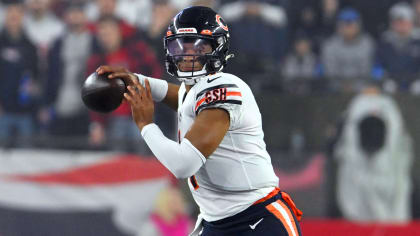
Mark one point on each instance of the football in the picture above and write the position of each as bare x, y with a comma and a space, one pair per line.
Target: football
101, 94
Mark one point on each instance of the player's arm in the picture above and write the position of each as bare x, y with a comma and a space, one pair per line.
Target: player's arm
171, 98
185, 158
208, 130
162, 91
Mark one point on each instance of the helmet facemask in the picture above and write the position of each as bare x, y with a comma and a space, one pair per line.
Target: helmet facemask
200, 26
189, 57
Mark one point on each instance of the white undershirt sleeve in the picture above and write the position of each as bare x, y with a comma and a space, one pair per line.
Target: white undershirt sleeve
182, 159
159, 87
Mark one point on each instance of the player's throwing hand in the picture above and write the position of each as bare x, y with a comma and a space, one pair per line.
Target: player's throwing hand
142, 106
117, 72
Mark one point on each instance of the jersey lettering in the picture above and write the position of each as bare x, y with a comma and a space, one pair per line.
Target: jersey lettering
216, 95
216, 87
223, 93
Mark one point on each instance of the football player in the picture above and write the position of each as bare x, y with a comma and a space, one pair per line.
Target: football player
220, 147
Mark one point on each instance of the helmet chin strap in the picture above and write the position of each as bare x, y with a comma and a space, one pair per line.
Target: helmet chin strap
191, 78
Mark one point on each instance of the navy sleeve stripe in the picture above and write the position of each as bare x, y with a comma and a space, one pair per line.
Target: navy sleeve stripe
216, 87
217, 102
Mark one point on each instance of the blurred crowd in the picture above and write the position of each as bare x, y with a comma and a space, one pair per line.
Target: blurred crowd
49, 47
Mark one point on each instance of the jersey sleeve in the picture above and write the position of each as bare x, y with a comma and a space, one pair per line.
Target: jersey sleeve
227, 96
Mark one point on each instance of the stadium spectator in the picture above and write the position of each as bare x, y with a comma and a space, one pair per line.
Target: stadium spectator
374, 157
315, 18
259, 33
416, 7
118, 126
42, 26
375, 16
301, 63
162, 13
1, 15
305, 19
134, 12
328, 16
106, 8
19, 74
66, 72
98, 8
399, 47
169, 217
349, 53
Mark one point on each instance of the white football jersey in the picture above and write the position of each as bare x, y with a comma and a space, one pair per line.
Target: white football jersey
239, 172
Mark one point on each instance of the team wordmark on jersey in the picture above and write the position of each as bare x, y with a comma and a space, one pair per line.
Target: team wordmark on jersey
224, 93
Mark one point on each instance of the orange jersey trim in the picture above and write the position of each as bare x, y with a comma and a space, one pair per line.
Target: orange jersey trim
234, 94
270, 195
292, 205
289, 214
227, 94
282, 216
194, 182
279, 216
199, 103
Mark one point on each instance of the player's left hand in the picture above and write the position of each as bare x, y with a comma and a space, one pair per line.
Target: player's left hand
142, 106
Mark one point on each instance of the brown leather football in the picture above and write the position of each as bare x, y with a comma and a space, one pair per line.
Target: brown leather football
102, 94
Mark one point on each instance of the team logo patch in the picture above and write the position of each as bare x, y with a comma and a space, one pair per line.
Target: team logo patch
221, 22
206, 32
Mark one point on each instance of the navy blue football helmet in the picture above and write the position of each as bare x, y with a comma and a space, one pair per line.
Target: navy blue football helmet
198, 35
